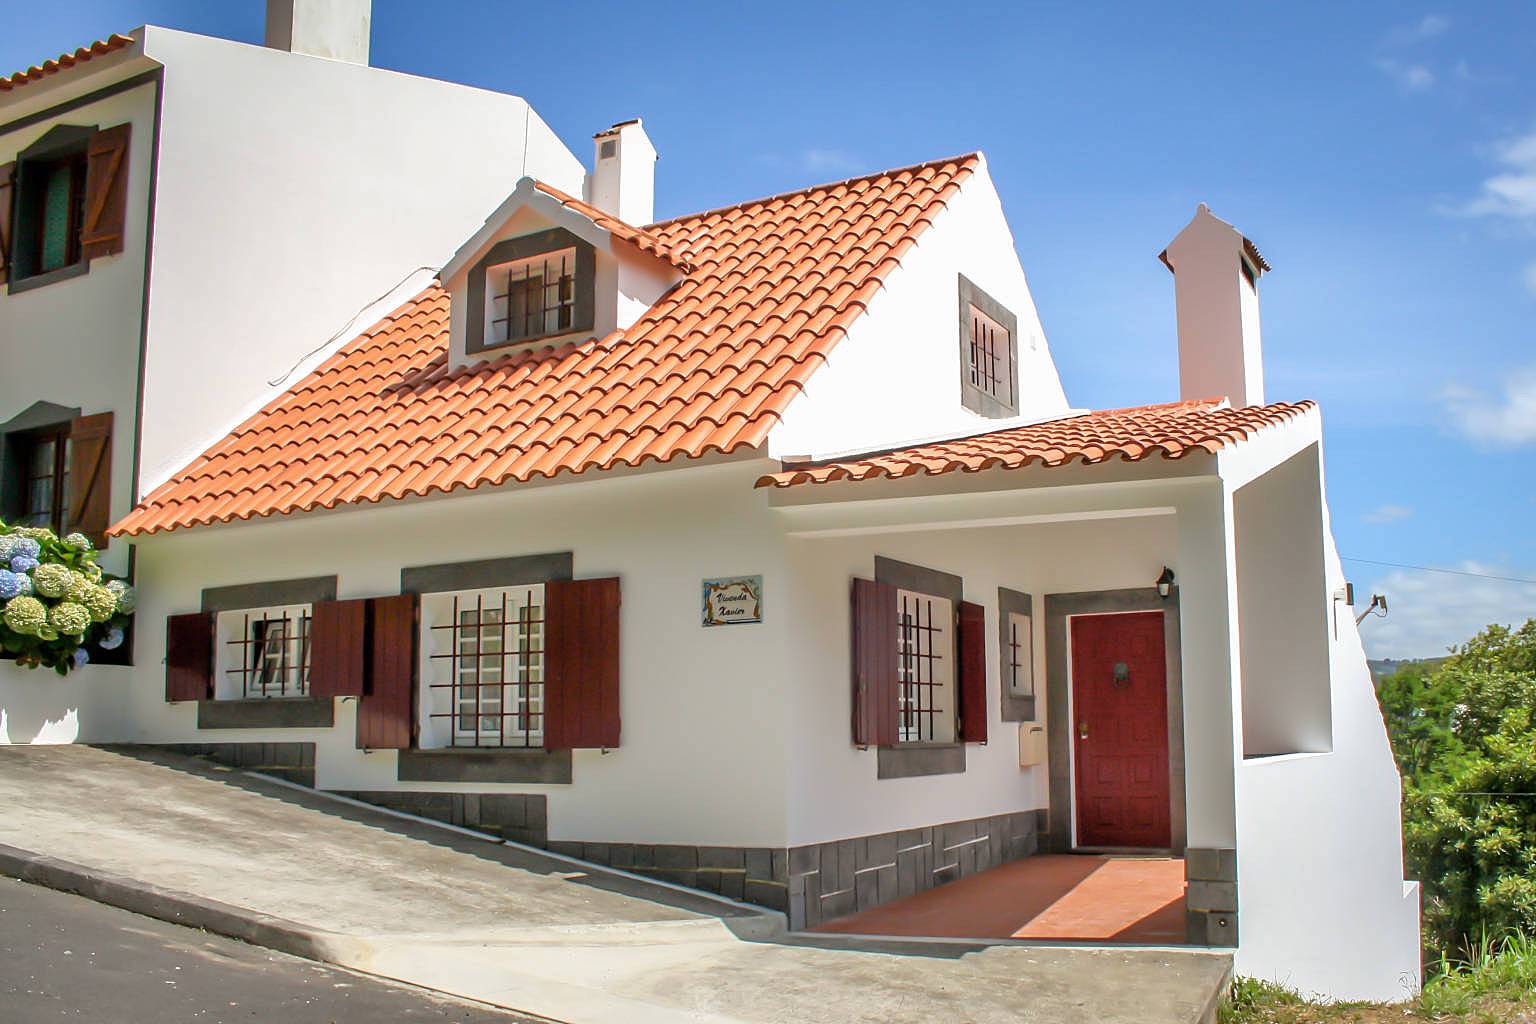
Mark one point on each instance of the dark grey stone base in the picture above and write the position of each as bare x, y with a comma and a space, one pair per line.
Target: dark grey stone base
292, 761
275, 713
812, 884
909, 760
520, 817
1210, 897
484, 766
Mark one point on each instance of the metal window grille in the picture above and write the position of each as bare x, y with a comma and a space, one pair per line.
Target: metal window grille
989, 369
269, 653
923, 658
489, 664
534, 297
1021, 672
44, 490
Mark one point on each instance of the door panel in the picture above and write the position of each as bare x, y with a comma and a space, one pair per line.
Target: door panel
1120, 730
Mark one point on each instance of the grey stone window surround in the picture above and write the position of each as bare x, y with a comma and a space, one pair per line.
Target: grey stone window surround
61, 140
913, 760
971, 396
524, 247
13, 432
1015, 708
486, 764
1057, 838
267, 712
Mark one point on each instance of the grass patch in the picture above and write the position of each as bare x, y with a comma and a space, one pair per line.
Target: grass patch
1494, 984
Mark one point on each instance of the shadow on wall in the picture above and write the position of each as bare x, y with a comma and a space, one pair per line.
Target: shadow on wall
37, 727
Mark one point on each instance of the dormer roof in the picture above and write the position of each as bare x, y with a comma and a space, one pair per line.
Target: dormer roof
100, 48
771, 287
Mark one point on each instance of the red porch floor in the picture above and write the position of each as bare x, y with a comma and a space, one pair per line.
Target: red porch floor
1051, 896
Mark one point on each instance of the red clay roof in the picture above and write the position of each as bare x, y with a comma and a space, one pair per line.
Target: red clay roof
640, 237
709, 368
51, 67
1172, 431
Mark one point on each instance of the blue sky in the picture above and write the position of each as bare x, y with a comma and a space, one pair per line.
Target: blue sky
1383, 156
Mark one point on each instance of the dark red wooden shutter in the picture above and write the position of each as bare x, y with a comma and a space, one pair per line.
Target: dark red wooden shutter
90, 477
7, 204
581, 663
386, 713
338, 648
189, 656
874, 663
973, 673
106, 192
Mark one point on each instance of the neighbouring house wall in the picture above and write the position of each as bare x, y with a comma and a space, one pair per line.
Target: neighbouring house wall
293, 193
1323, 906
896, 376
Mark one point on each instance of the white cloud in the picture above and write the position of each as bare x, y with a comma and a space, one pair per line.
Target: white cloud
1509, 419
1429, 612
1427, 27
1408, 77
1388, 514
1511, 193
829, 161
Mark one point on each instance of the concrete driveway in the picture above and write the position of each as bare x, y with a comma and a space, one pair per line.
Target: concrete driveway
517, 928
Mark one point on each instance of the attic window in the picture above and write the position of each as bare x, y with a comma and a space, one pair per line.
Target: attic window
989, 373
1249, 274
532, 298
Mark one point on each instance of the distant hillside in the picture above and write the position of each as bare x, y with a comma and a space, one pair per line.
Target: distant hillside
1383, 667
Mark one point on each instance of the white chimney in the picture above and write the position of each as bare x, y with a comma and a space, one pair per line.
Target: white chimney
623, 178
1215, 278
334, 29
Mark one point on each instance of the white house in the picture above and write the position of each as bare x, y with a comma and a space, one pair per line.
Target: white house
758, 549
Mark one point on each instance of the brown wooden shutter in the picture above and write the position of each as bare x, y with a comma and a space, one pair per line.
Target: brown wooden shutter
189, 656
386, 713
106, 192
90, 477
338, 649
581, 663
973, 673
7, 205
874, 663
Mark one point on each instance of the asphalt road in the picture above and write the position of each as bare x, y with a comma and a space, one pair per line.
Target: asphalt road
66, 958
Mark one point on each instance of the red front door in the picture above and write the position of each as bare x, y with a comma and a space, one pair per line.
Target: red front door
1120, 729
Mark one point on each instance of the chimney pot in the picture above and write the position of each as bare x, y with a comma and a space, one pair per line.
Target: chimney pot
333, 29
1216, 273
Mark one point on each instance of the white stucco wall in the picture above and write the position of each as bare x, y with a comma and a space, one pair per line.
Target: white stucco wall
293, 192
896, 376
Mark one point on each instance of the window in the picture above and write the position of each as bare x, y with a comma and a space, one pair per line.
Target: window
1249, 274
924, 668
60, 198
1019, 655
484, 668
63, 203
43, 468
264, 653
988, 354
532, 298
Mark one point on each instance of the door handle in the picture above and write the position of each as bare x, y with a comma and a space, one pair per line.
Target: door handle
1082, 730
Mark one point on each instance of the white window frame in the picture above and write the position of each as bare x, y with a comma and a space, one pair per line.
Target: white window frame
498, 324
250, 664
925, 668
504, 711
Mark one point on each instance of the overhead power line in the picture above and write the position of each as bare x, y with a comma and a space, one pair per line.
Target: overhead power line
1448, 572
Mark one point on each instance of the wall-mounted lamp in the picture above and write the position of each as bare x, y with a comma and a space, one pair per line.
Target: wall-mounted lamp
1378, 605
1165, 583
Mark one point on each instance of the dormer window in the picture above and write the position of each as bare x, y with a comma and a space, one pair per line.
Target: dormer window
535, 287
533, 298
989, 373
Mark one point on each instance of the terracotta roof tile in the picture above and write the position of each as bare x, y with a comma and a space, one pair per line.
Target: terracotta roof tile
1172, 430
65, 61
639, 236
709, 368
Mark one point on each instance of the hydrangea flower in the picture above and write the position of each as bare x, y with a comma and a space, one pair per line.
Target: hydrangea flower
81, 657
80, 541
52, 580
7, 547
68, 618
99, 601
23, 563
78, 587
14, 584
25, 615
35, 534
113, 640
23, 544
126, 598
92, 572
